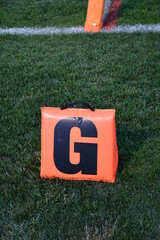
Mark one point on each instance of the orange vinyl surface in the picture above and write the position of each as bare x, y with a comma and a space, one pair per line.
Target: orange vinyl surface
105, 143
94, 19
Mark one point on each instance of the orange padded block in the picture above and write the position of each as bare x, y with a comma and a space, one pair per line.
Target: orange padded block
94, 20
78, 144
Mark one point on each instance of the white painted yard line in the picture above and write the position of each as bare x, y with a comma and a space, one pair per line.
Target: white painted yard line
42, 31
155, 28
136, 28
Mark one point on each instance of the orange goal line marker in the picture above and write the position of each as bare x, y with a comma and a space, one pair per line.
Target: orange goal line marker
102, 13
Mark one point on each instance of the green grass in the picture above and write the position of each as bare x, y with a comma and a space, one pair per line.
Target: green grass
42, 13
139, 12
109, 71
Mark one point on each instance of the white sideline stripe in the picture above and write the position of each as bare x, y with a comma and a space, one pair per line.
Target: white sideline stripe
136, 28
155, 28
42, 31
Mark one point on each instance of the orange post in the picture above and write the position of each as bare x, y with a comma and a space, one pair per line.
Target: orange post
94, 20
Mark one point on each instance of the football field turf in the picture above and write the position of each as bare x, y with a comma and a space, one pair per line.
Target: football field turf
118, 71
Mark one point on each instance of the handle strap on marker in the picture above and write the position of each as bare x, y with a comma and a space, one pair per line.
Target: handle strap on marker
78, 102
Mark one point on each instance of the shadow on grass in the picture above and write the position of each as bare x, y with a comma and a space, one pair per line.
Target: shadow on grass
129, 140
